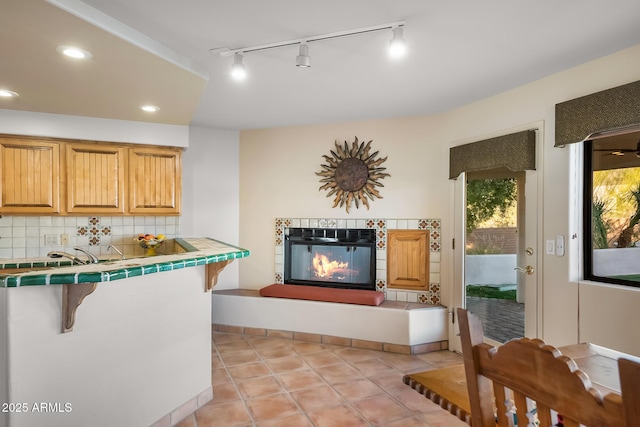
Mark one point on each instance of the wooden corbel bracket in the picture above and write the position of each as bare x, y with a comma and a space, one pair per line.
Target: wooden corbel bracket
72, 297
212, 271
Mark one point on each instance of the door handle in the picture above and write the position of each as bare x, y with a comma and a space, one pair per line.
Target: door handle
528, 269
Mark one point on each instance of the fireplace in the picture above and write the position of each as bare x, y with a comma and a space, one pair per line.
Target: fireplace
337, 258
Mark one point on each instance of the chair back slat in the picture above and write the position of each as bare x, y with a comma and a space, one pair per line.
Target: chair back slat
522, 408
544, 415
501, 402
531, 368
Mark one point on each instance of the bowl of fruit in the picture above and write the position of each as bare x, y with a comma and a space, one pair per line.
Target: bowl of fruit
150, 242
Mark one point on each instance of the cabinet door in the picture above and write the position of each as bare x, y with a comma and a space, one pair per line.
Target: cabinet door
30, 176
408, 259
95, 178
155, 181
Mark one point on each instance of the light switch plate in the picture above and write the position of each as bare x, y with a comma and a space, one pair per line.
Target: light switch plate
560, 245
51, 240
551, 247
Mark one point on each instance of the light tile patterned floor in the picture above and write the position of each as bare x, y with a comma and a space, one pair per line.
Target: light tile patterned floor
263, 381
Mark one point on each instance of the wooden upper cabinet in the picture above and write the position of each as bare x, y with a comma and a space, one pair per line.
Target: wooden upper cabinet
30, 181
42, 176
408, 259
95, 178
155, 181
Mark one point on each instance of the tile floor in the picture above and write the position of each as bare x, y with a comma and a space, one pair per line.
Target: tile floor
266, 381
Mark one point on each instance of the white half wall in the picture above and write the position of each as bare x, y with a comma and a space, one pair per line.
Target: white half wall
616, 262
386, 325
490, 269
4, 353
140, 348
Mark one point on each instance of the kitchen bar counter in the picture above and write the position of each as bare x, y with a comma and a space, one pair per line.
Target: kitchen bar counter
43, 271
139, 351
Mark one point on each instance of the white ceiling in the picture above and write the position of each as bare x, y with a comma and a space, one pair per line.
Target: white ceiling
460, 51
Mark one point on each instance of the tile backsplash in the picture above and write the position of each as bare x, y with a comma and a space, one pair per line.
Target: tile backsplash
33, 236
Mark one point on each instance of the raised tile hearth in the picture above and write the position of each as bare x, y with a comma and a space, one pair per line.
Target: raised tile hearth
393, 326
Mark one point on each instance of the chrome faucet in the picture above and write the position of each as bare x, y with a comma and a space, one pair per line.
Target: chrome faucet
92, 258
117, 250
74, 259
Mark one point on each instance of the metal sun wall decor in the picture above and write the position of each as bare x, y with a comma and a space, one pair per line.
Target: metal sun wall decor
352, 174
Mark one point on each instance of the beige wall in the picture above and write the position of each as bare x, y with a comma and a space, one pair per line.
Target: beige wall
277, 180
210, 189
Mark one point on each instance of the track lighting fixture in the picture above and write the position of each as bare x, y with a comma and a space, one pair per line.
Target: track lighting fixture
303, 60
238, 71
397, 46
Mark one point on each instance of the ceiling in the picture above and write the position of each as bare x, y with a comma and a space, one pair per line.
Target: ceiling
158, 52
617, 151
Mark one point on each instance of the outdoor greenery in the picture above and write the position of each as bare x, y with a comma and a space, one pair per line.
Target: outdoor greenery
616, 208
600, 227
630, 277
490, 292
489, 199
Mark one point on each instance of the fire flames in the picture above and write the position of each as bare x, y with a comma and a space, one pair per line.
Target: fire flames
325, 268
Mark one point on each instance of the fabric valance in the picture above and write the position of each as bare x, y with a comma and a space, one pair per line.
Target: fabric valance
516, 151
600, 112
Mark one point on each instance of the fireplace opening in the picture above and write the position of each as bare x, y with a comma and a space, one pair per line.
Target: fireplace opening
337, 258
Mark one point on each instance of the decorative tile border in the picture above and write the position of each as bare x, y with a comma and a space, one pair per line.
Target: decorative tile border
186, 409
207, 251
432, 296
94, 230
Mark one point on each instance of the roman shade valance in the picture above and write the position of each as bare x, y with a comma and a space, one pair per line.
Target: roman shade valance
598, 113
516, 151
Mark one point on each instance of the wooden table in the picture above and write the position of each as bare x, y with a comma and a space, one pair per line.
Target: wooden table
448, 386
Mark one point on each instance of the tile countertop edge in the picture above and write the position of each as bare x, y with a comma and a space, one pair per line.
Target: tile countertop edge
199, 251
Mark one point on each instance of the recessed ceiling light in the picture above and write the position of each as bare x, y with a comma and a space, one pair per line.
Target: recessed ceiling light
4, 93
149, 108
74, 52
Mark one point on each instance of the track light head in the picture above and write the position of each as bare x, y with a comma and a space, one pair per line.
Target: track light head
238, 70
303, 60
397, 45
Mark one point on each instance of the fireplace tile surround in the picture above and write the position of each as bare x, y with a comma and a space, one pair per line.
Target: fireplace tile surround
432, 296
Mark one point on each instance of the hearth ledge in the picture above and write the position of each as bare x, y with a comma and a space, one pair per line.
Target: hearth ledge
393, 326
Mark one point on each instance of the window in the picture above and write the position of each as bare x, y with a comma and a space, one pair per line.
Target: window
612, 209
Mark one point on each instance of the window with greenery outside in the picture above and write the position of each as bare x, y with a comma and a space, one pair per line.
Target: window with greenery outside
612, 203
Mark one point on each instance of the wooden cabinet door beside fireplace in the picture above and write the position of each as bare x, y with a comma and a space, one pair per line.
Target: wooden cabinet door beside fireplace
408, 259
155, 181
95, 178
30, 176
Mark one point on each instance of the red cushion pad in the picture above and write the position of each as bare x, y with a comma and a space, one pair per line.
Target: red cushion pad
317, 293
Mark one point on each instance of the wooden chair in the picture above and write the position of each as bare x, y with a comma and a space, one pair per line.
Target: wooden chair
630, 388
526, 379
